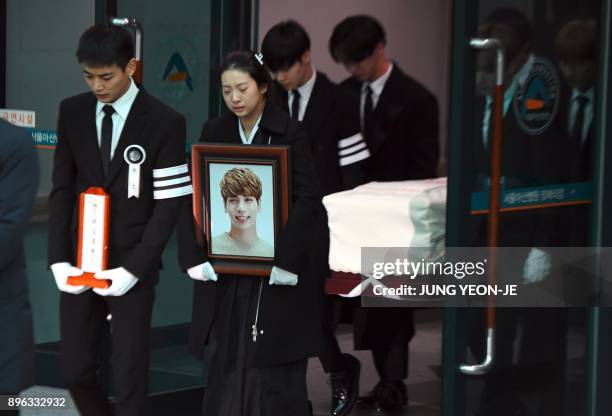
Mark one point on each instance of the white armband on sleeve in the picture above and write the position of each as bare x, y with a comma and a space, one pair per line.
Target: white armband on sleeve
171, 182
352, 149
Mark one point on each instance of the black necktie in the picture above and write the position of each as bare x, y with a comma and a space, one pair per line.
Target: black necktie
367, 112
107, 136
579, 120
295, 105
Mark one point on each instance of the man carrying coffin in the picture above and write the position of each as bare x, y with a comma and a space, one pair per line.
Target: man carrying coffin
119, 138
340, 154
399, 120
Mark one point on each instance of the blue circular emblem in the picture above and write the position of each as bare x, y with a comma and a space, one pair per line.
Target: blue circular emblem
536, 99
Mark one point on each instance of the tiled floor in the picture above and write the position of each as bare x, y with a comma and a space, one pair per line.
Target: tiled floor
423, 382
171, 367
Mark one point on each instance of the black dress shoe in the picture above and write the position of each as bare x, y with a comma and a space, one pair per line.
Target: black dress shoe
345, 386
369, 399
391, 396
387, 396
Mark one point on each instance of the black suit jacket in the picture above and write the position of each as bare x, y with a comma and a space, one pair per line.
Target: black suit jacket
331, 116
139, 227
18, 184
579, 168
332, 119
404, 139
580, 162
288, 314
403, 143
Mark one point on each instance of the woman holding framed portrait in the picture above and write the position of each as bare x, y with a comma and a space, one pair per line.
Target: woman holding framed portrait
259, 330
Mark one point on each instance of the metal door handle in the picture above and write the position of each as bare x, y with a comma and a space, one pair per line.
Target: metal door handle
135, 24
487, 364
494, 198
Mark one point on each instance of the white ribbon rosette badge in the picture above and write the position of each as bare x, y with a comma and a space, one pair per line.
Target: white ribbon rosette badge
134, 156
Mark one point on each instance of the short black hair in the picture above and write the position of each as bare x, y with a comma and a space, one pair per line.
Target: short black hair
577, 41
105, 44
355, 38
246, 61
284, 45
497, 23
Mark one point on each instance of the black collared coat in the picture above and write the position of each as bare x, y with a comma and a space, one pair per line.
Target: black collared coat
288, 315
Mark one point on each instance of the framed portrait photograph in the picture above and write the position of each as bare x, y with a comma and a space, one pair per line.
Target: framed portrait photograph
241, 202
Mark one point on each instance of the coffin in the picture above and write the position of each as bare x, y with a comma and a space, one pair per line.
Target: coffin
381, 214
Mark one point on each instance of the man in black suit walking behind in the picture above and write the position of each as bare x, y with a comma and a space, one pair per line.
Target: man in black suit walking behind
399, 120
576, 49
330, 115
122, 139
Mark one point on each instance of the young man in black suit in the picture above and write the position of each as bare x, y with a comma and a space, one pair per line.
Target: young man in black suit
399, 120
576, 49
122, 139
399, 116
330, 116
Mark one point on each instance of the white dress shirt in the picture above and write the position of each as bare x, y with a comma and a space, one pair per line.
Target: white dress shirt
377, 87
588, 112
305, 92
519, 79
122, 106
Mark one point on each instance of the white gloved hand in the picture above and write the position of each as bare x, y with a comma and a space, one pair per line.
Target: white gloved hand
121, 282
282, 277
203, 272
537, 266
61, 273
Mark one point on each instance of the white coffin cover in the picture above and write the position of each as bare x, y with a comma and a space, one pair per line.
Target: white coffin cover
385, 214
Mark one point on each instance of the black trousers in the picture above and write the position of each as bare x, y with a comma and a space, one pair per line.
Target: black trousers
375, 329
386, 332
330, 354
82, 329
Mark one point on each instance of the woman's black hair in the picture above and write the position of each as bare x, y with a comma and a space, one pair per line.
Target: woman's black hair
250, 62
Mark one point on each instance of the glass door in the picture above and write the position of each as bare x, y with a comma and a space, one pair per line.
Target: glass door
530, 78
183, 44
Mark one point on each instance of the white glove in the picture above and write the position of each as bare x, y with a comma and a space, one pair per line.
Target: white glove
282, 277
537, 266
203, 272
121, 282
61, 273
